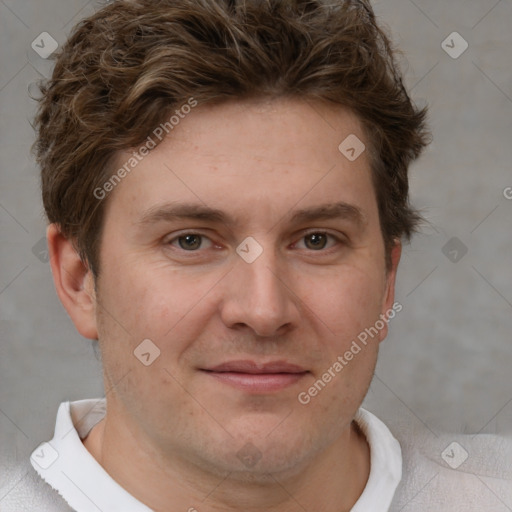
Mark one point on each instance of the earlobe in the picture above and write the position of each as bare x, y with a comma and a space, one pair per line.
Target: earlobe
73, 281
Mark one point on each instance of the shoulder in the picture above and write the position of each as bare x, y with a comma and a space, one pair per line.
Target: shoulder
449, 472
23, 490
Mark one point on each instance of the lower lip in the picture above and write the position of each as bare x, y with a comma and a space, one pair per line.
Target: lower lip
260, 382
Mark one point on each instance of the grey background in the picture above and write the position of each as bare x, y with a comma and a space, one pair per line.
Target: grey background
446, 365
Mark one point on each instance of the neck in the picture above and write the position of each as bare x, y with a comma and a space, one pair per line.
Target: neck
331, 482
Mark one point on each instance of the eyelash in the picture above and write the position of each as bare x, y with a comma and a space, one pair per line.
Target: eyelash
339, 240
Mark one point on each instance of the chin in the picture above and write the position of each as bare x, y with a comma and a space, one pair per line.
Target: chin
273, 450
274, 466
254, 458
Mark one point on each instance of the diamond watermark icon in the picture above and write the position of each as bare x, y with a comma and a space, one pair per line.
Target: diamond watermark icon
454, 45
454, 249
44, 455
352, 147
146, 352
249, 250
249, 455
40, 250
454, 455
44, 45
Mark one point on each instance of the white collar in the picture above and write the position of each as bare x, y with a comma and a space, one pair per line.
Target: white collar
67, 466
385, 464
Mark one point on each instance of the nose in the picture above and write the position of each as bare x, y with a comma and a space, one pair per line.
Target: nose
259, 296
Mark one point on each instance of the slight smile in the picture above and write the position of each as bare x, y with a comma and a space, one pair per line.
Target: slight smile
257, 377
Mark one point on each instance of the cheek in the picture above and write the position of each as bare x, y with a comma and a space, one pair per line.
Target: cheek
347, 301
138, 304
156, 302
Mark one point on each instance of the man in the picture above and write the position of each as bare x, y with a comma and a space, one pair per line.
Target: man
226, 188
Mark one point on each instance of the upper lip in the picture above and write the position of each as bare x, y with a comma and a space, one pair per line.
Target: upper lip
248, 366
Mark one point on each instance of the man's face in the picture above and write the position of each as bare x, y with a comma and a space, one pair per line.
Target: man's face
221, 318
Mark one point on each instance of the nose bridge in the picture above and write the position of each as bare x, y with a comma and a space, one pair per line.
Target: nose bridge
264, 284
257, 295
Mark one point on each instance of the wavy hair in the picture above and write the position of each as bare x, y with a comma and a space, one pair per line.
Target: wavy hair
125, 68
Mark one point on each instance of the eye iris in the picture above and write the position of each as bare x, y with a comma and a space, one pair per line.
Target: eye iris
192, 241
318, 240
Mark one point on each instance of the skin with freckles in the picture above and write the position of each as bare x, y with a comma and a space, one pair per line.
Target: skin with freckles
175, 434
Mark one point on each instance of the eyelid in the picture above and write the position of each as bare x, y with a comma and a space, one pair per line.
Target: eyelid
325, 231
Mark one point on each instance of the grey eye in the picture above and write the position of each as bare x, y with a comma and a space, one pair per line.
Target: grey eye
190, 242
317, 240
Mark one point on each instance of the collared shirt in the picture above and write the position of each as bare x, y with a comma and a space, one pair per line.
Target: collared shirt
68, 467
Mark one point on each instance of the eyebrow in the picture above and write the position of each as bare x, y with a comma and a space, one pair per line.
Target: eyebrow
177, 211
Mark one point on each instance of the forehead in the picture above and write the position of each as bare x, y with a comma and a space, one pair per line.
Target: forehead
275, 130
263, 153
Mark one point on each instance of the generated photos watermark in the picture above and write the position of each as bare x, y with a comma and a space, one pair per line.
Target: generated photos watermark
305, 397
158, 133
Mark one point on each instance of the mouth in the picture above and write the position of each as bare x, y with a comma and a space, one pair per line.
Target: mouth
257, 377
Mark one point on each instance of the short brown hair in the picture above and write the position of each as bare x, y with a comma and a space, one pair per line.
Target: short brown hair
125, 68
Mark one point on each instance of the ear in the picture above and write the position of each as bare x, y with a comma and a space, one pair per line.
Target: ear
73, 281
389, 294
